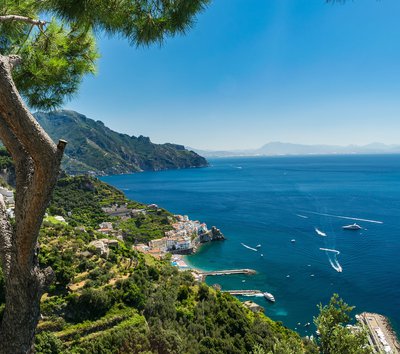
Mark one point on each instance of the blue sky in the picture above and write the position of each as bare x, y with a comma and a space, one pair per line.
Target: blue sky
254, 71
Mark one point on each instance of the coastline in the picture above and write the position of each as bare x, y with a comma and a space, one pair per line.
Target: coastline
381, 334
242, 214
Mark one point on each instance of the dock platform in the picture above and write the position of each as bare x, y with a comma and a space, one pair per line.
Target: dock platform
244, 292
381, 336
228, 272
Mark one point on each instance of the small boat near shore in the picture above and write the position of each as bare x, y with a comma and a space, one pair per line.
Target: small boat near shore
269, 297
352, 227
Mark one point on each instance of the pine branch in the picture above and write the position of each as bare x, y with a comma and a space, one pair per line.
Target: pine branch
9, 18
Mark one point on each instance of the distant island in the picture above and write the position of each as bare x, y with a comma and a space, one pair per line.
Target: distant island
94, 148
282, 149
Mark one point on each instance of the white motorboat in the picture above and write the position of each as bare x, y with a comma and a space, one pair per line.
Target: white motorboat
352, 227
269, 297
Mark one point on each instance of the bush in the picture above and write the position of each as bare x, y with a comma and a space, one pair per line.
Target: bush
92, 304
47, 343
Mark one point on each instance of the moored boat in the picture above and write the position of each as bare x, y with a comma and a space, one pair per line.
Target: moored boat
352, 227
269, 297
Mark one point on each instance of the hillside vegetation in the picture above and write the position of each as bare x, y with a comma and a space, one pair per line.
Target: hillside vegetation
128, 302
94, 147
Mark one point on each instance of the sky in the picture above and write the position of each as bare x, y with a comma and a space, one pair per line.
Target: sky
254, 71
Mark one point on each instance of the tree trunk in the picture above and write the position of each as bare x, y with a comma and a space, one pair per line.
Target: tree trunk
37, 160
21, 313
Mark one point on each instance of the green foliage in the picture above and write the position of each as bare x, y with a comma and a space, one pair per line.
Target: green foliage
179, 316
90, 305
146, 227
47, 343
6, 162
58, 53
335, 337
80, 199
54, 64
133, 303
141, 22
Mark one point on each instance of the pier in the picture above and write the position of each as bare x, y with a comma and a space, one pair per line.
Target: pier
228, 272
244, 292
381, 335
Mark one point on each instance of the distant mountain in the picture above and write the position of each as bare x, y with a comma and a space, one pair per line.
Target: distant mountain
279, 149
92, 147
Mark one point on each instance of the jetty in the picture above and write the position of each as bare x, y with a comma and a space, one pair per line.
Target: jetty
227, 272
381, 335
244, 292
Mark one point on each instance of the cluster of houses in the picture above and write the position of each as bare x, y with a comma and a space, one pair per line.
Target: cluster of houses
8, 197
184, 238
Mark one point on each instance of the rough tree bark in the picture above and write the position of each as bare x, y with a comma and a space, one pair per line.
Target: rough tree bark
37, 162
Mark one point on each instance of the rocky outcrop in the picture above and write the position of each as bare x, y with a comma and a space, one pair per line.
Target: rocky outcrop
212, 235
251, 305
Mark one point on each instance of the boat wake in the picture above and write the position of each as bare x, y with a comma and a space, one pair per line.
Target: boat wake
250, 248
319, 232
329, 250
333, 260
346, 217
302, 216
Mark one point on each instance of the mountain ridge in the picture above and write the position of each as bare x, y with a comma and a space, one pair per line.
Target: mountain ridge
95, 148
277, 148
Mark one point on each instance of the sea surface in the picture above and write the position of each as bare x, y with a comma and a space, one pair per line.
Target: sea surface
270, 201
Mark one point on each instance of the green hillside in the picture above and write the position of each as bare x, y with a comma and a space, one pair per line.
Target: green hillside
94, 147
128, 302
123, 301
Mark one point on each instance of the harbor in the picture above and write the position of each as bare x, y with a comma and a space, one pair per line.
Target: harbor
381, 336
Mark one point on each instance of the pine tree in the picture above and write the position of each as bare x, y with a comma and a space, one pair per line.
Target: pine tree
46, 48
334, 335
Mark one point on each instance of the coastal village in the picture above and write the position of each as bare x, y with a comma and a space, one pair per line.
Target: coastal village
185, 238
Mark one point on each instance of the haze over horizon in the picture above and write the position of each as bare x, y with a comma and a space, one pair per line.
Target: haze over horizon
294, 71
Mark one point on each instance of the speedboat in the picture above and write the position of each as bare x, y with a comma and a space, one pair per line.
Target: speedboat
293, 241
352, 227
269, 297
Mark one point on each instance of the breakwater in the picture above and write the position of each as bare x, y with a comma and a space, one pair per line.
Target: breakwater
226, 272
244, 292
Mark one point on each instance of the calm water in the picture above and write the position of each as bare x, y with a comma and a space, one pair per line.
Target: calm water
269, 201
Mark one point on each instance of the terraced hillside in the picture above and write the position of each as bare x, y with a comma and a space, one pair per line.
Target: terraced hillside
123, 301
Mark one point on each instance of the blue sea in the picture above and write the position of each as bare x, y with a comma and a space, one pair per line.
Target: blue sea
270, 201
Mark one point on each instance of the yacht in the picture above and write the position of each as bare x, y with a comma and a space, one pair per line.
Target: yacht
269, 297
352, 227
